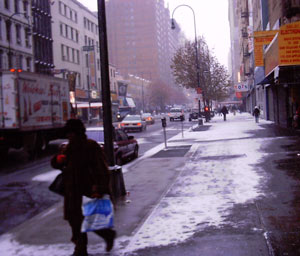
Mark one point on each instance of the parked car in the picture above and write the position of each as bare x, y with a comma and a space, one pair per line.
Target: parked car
148, 118
126, 147
133, 123
176, 114
194, 115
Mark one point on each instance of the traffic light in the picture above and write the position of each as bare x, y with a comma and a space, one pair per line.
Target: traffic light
206, 109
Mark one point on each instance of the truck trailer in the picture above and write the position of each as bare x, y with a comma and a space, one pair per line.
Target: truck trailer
33, 110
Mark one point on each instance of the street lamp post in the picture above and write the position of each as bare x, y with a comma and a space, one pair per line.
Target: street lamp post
196, 49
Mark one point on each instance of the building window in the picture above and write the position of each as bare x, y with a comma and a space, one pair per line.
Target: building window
87, 60
60, 7
62, 52
85, 40
66, 31
73, 55
78, 59
68, 53
61, 29
18, 34
77, 36
6, 4
17, 6
27, 38
7, 25
28, 64
25, 7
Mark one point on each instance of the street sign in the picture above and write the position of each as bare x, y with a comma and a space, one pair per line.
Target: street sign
88, 48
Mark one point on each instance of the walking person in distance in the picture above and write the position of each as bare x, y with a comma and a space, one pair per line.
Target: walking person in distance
256, 113
85, 172
224, 111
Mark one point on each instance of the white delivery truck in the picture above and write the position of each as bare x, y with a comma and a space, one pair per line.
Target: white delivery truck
33, 110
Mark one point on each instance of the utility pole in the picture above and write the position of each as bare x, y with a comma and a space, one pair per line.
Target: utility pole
107, 114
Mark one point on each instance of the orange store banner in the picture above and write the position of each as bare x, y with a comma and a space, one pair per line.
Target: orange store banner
289, 44
262, 38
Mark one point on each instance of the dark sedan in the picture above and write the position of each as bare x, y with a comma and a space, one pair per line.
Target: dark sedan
126, 147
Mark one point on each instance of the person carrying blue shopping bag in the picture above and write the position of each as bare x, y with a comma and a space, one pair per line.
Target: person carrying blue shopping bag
84, 173
98, 214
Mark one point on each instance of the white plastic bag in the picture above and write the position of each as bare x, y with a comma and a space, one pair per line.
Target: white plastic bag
98, 214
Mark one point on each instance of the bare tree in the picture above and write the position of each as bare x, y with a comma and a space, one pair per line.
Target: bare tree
214, 78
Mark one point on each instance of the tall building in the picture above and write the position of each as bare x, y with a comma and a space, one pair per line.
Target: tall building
139, 38
270, 57
16, 49
77, 55
42, 35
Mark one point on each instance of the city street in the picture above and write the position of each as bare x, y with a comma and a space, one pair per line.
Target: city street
231, 188
23, 197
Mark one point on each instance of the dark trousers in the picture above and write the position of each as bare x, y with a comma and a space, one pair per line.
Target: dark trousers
78, 238
224, 116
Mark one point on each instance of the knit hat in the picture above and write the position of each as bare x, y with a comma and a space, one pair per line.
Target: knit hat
74, 125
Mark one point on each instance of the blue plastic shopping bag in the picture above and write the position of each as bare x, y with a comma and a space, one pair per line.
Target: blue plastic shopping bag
98, 214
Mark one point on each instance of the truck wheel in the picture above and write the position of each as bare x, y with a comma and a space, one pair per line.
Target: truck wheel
3, 152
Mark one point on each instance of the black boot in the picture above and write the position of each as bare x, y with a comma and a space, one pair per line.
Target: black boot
109, 236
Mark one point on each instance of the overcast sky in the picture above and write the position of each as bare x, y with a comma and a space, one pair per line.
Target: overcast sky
211, 22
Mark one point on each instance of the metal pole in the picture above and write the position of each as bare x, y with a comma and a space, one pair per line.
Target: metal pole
107, 114
196, 49
165, 137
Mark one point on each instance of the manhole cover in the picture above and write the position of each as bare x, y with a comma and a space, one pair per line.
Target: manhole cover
178, 151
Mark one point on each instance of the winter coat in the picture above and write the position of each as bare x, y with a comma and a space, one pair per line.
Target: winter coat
256, 112
84, 172
224, 110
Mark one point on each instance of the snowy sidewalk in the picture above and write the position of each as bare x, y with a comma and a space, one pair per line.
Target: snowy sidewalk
209, 207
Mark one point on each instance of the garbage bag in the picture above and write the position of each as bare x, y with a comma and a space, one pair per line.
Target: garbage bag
98, 214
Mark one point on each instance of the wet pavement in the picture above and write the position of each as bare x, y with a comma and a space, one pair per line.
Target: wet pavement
231, 189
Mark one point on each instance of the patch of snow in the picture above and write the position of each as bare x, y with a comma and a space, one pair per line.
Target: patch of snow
47, 177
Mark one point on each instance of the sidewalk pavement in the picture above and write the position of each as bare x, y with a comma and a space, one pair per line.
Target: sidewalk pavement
230, 189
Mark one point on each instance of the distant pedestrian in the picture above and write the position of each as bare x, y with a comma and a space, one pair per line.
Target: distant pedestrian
85, 172
256, 113
224, 111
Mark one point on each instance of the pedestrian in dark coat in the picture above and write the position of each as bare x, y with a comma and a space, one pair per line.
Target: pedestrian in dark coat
256, 113
224, 111
85, 172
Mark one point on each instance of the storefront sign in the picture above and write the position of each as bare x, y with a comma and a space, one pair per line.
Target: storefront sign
81, 93
271, 56
262, 38
241, 88
289, 44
